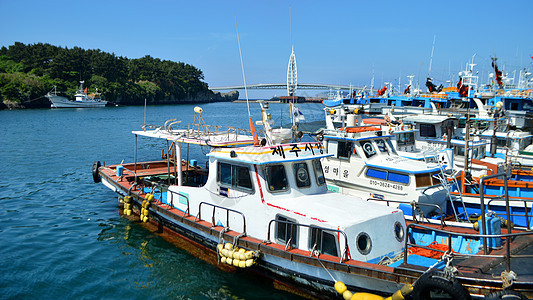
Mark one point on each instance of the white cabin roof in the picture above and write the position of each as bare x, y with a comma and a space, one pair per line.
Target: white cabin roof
334, 209
400, 164
431, 119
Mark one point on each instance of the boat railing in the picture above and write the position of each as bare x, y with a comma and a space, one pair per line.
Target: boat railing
203, 130
228, 211
180, 195
514, 214
415, 208
345, 253
509, 237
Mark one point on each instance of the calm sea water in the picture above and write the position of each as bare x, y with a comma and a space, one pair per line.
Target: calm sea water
61, 235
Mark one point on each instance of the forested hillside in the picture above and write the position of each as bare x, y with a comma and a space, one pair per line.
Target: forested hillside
28, 72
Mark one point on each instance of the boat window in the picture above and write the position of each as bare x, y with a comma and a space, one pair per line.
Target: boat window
428, 130
368, 148
234, 176
406, 138
427, 179
276, 178
331, 147
388, 175
286, 230
379, 174
224, 173
382, 146
319, 173
364, 243
501, 142
344, 149
302, 175
322, 241
398, 177
460, 151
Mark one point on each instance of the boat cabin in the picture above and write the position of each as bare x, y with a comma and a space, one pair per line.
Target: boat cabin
365, 163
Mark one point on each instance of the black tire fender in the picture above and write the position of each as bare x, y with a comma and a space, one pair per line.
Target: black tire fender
96, 175
439, 281
505, 294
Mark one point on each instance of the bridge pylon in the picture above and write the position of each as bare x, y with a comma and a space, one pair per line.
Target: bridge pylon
292, 75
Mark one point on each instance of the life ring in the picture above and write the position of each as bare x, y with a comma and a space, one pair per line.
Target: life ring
505, 294
96, 175
441, 282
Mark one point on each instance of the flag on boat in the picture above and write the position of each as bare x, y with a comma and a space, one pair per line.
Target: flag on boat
298, 115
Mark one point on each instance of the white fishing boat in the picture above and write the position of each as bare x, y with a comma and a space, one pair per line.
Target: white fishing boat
365, 163
81, 99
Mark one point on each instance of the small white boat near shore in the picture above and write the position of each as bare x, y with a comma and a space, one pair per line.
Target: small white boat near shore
81, 100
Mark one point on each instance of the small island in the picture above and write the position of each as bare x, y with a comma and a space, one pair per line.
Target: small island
28, 72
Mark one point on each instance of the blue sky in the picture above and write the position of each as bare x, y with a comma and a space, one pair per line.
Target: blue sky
337, 42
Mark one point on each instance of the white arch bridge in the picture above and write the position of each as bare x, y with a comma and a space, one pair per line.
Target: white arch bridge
303, 86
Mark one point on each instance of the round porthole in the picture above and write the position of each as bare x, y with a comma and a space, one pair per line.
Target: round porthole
302, 175
399, 232
364, 243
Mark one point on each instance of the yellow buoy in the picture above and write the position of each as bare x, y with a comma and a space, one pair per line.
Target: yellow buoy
332, 111
242, 256
347, 295
365, 296
340, 287
228, 246
127, 199
249, 262
149, 197
145, 219
236, 255
229, 261
128, 212
223, 260
220, 247
250, 254
242, 264
236, 262
224, 252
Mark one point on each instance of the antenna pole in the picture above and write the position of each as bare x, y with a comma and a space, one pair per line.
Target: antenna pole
252, 127
431, 59
242, 66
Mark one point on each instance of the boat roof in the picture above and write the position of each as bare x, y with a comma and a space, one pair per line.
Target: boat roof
271, 154
335, 209
213, 139
457, 142
514, 135
433, 119
400, 164
355, 133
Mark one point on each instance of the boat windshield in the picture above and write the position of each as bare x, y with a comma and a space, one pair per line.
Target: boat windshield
276, 178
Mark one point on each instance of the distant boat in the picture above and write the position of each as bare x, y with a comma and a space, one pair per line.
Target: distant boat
82, 99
